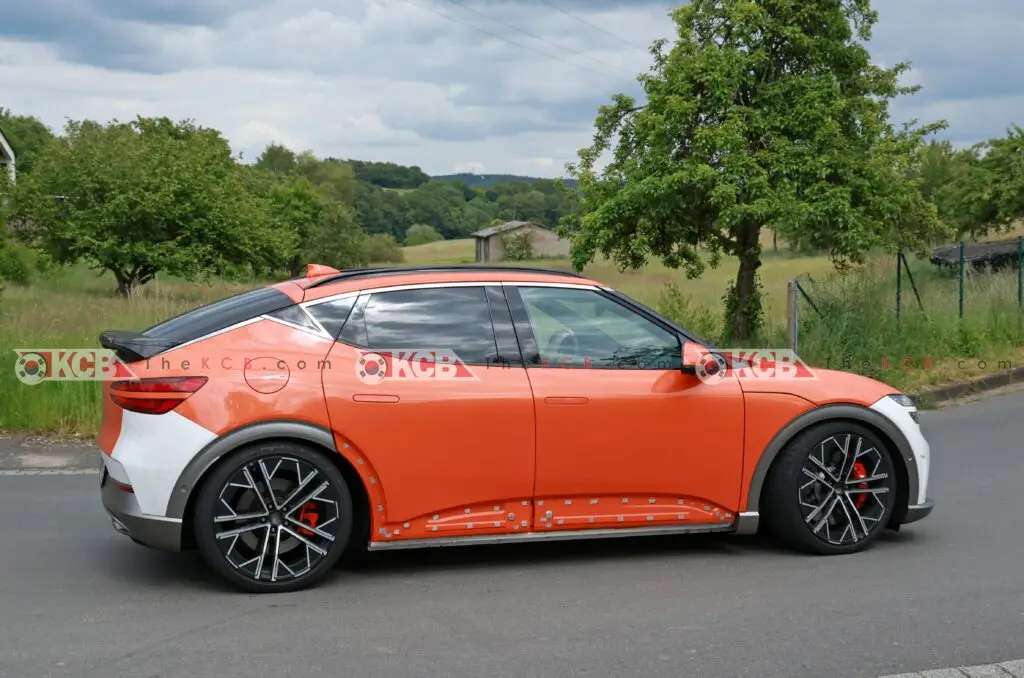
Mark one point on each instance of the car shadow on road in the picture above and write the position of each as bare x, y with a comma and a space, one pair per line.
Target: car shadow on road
565, 552
187, 570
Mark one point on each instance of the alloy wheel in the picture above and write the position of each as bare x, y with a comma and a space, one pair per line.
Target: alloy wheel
277, 518
846, 483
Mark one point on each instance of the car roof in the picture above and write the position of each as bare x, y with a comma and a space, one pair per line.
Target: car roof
325, 282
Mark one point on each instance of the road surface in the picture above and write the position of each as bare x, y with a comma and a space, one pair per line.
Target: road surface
79, 600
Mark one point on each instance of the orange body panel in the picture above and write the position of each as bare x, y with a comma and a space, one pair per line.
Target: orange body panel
766, 415
260, 372
110, 425
826, 386
610, 434
439, 448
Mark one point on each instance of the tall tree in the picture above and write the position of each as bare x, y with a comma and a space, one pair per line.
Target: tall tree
277, 158
763, 113
143, 197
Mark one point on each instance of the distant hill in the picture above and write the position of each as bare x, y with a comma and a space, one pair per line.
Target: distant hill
489, 180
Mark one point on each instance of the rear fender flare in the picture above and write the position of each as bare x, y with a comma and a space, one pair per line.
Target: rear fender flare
229, 442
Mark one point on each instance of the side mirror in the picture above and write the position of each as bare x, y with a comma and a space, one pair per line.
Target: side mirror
692, 353
700, 362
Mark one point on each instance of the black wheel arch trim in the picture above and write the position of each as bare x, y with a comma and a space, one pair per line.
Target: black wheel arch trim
834, 412
231, 441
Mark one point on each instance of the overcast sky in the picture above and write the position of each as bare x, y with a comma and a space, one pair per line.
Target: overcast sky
449, 85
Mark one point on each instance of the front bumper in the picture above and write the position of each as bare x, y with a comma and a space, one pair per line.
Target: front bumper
918, 512
128, 519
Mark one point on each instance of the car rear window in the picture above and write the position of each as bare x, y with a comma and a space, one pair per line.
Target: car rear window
219, 315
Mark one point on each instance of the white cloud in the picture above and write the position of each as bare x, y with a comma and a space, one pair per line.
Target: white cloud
426, 82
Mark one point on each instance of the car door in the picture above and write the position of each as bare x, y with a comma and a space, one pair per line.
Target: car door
450, 440
624, 437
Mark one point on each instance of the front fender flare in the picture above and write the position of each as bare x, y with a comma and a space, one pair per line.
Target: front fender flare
833, 412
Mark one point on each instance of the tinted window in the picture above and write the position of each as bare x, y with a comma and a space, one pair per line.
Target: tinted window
332, 314
447, 318
220, 314
581, 328
295, 316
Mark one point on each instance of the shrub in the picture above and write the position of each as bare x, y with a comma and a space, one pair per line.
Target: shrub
518, 247
382, 248
421, 234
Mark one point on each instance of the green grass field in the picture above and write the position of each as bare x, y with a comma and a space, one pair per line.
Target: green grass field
68, 308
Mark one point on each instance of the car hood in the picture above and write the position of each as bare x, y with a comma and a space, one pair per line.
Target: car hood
820, 386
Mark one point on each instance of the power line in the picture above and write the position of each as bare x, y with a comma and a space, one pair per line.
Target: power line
593, 25
532, 35
509, 41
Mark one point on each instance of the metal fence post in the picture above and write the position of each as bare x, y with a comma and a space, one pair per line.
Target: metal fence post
899, 283
792, 317
962, 272
1020, 272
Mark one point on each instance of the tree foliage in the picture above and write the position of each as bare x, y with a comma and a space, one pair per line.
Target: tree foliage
985, 190
27, 135
763, 113
144, 197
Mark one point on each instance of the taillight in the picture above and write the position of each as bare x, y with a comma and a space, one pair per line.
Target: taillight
154, 396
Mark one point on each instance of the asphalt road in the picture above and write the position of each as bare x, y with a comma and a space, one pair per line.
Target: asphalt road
79, 600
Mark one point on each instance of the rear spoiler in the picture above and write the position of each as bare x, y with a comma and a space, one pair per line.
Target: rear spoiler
131, 346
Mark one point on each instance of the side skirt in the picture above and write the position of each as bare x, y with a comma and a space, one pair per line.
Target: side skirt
557, 535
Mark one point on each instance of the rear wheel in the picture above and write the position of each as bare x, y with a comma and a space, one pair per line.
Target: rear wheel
273, 518
832, 489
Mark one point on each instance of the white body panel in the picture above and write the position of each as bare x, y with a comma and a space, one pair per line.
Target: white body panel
152, 451
900, 415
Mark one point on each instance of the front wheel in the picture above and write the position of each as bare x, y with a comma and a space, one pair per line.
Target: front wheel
275, 517
831, 490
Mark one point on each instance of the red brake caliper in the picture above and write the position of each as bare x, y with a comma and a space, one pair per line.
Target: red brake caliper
308, 515
860, 472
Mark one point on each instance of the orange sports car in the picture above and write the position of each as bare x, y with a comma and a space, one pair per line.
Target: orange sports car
395, 408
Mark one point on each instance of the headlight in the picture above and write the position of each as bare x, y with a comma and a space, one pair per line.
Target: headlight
907, 402
904, 400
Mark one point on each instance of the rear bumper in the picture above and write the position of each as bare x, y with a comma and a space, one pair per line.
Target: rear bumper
128, 518
918, 512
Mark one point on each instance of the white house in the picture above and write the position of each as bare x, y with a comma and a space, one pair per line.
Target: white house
6, 156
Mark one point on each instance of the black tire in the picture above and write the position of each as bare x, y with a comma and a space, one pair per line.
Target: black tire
791, 494
296, 560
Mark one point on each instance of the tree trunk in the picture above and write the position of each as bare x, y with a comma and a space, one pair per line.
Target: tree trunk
129, 281
744, 317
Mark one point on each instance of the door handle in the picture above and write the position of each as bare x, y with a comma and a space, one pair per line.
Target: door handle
375, 398
564, 400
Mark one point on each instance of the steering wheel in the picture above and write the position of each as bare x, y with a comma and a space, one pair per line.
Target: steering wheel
565, 344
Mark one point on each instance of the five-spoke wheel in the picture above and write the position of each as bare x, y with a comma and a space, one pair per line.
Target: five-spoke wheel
275, 517
831, 490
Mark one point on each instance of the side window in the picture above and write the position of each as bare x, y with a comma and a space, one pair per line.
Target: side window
454, 319
582, 328
332, 314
